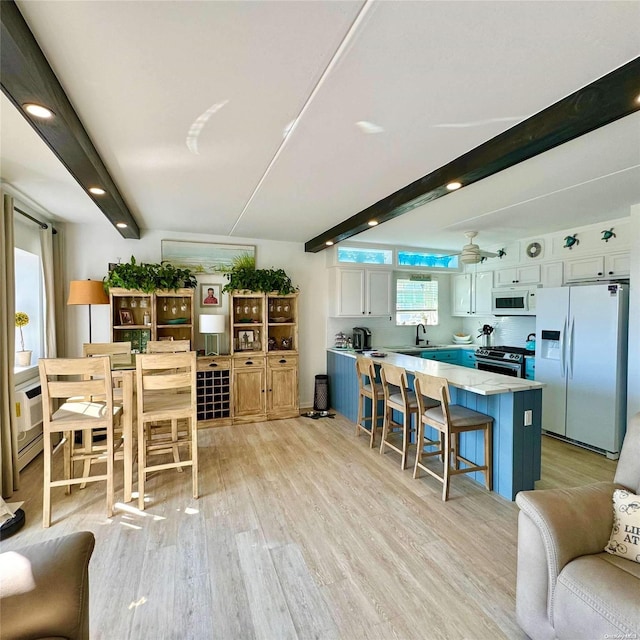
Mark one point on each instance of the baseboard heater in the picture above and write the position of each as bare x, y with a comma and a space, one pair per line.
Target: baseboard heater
28, 413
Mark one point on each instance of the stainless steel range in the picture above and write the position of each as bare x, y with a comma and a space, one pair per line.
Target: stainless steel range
508, 361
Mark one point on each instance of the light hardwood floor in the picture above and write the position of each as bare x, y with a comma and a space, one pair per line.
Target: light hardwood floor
301, 531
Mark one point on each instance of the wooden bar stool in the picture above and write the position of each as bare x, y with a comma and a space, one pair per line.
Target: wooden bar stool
66, 381
168, 346
397, 397
450, 420
368, 388
167, 417
119, 354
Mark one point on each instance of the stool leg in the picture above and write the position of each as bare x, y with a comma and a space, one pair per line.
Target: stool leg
194, 456
488, 457
447, 466
419, 447
142, 463
46, 493
374, 421
406, 430
385, 427
360, 413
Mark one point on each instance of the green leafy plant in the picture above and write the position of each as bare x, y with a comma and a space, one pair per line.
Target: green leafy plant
22, 320
243, 275
149, 277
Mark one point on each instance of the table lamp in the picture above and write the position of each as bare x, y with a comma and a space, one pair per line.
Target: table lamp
212, 326
87, 292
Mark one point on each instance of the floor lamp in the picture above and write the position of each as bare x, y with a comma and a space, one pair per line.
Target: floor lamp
87, 292
212, 326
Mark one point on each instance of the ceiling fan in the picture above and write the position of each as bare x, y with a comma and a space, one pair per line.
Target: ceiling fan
471, 253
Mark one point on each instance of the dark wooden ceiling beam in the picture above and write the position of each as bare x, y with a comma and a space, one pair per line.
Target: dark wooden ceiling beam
26, 77
607, 99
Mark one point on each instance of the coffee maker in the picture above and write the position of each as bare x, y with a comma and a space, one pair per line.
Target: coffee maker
361, 338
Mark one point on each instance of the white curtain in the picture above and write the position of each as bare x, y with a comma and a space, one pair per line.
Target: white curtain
9, 475
48, 277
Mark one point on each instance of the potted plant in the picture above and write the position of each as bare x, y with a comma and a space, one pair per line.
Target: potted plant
149, 277
243, 276
23, 357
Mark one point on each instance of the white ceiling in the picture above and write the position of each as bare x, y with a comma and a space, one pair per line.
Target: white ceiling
188, 103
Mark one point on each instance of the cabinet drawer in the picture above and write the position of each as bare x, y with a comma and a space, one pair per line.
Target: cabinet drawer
468, 359
249, 362
442, 356
276, 362
212, 363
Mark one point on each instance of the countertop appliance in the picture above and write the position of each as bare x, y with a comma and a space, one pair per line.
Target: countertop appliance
510, 301
361, 338
508, 361
581, 356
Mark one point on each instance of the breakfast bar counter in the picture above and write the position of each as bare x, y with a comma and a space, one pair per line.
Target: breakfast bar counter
514, 403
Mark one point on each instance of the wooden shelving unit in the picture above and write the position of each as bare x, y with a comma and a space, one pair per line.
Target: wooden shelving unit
139, 317
264, 349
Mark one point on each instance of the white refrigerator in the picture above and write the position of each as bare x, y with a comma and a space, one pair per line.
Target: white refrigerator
581, 356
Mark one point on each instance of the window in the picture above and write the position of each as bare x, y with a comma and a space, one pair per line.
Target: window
432, 260
28, 298
416, 300
364, 256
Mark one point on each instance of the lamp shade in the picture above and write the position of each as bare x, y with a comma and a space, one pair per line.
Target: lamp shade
87, 292
212, 324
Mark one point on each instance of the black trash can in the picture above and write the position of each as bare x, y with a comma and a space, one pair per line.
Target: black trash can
321, 393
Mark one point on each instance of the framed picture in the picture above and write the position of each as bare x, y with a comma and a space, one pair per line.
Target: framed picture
210, 295
203, 257
245, 340
126, 316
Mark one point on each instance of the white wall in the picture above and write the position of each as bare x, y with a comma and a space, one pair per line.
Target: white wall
90, 248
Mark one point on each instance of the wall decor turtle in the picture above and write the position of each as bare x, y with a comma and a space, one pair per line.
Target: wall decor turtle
571, 241
607, 234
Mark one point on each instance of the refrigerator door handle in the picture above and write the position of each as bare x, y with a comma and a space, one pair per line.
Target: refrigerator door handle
570, 349
563, 359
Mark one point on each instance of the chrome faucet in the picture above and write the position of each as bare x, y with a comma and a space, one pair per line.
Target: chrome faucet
424, 330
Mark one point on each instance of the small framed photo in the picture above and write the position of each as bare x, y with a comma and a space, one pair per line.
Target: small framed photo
210, 295
126, 316
245, 340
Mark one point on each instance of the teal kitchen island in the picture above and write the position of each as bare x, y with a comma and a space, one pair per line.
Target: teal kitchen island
514, 403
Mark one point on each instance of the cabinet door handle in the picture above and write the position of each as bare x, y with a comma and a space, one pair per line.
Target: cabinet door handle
599, 273
610, 273
213, 364
248, 362
282, 361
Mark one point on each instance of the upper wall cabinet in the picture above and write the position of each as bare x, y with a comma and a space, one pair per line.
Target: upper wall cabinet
614, 265
528, 275
472, 294
358, 292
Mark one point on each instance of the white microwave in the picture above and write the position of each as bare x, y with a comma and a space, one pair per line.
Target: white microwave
511, 301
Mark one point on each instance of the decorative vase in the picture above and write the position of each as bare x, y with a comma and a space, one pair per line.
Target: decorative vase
23, 358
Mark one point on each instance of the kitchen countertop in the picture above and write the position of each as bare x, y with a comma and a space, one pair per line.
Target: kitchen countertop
483, 383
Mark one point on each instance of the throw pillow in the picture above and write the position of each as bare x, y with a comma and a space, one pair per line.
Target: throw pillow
625, 535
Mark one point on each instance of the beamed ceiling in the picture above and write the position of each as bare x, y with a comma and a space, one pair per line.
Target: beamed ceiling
291, 121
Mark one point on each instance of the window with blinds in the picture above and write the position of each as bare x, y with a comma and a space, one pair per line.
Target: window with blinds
416, 301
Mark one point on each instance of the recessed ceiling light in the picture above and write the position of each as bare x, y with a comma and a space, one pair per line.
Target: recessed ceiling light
372, 223
452, 186
121, 225
97, 191
329, 243
38, 110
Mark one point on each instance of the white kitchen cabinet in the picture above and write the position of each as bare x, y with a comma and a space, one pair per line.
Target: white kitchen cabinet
528, 275
472, 294
614, 265
362, 292
551, 274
